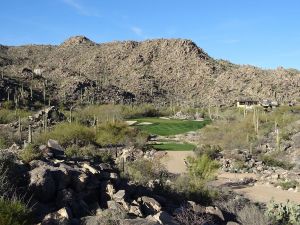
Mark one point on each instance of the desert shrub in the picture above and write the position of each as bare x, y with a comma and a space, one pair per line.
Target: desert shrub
285, 185
14, 212
8, 115
187, 216
137, 111
239, 164
8, 105
242, 210
3, 143
75, 151
193, 185
143, 170
201, 169
103, 113
283, 213
31, 152
6, 165
118, 133
231, 125
251, 215
66, 133
211, 151
270, 160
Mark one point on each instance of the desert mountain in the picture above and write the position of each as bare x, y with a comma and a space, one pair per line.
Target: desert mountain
162, 71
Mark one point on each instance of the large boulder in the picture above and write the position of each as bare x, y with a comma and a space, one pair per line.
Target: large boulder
165, 218
149, 205
61, 217
215, 211
42, 184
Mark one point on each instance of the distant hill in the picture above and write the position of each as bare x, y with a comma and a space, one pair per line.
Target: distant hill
162, 71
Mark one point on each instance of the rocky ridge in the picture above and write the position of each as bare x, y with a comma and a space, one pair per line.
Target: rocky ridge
163, 71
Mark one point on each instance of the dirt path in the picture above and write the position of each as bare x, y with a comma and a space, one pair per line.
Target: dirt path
258, 192
174, 161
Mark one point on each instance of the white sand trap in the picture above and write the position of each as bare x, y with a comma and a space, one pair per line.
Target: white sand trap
174, 161
144, 123
130, 122
164, 118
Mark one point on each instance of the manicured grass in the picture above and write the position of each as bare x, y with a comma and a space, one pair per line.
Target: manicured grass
174, 147
170, 127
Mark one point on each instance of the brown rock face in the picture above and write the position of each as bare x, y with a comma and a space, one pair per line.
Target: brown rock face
159, 71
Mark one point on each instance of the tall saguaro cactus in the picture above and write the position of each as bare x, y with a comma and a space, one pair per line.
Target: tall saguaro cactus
19, 128
29, 134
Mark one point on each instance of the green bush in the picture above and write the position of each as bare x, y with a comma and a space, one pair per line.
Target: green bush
8, 115
118, 133
142, 170
67, 133
8, 105
201, 169
283, 213
137, 111
14, 212
193, 185
103, 113
271, 161
285, 185
3, 143
211, 151
31, 152
90, 151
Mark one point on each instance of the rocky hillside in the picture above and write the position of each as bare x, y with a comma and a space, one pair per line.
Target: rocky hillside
160, 71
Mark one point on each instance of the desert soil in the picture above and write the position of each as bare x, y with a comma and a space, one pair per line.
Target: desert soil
259, 192
174, 161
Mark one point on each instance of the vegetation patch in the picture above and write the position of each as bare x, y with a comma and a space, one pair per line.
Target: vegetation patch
14, 212
272, 161
174, 146
170, 127
65, 133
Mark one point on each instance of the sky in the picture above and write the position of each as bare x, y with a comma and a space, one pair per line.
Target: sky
263, 33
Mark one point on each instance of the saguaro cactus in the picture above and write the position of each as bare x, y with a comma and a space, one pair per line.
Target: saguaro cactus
19, 128
29, 134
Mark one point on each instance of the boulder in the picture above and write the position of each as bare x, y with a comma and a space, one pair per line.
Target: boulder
110, 190
90, 169
42, 184
165, 218
54, 149
135, 210
149, 205
119, 196
54, 145
61, 217
91, 220
214, 211
138, 221
195, 207
232, 223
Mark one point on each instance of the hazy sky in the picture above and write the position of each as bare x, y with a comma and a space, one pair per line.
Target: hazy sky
264, 33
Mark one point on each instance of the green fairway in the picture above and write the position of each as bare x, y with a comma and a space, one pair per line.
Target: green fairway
174, 147
165, 127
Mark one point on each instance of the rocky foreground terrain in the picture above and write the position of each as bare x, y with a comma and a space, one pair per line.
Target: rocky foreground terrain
163, 71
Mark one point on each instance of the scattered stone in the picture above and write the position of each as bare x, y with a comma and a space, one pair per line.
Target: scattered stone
215, 211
